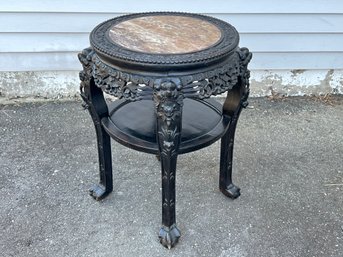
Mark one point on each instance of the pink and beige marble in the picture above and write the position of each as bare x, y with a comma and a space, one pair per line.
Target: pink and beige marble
165, 34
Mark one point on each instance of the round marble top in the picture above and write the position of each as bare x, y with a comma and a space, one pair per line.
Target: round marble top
166, 34
163, 41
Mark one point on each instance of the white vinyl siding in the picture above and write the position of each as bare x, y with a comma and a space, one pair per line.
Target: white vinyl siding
46, 35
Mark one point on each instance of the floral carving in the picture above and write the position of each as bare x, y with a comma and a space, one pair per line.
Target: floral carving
168, 100
169, 203
85, 75
85, 58
169, 140
135, 87
245, 57
119, 84
221, 79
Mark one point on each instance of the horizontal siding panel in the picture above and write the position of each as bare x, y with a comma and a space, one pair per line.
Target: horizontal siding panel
51, 22
40, 35
43, 42
284, 23
225, 6
245, 23
66, 42
39, 61
69, 61
293, 42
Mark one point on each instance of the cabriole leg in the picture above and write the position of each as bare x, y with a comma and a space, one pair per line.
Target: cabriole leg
95, 103
168, 102
226, 154
232, 107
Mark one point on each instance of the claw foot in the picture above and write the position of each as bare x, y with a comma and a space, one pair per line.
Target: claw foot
231, 191
98, 192
169, 236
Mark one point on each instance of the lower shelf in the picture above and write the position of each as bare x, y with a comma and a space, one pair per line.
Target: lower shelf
133, 124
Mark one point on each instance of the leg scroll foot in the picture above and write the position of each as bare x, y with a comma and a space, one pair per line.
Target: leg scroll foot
98, 192
169, 236
231, 191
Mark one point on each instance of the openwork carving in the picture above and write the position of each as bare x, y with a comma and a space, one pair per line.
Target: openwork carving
221, 79
137, 87
120, 84
85, 75
245, 57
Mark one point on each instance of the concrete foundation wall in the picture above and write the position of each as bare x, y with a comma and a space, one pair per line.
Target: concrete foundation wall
65, 84
296, 82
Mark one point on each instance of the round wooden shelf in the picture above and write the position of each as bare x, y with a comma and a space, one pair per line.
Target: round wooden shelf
134, 124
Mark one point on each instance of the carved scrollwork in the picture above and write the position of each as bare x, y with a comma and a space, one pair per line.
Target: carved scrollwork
168, 100
118, 83
85, 75
245, 57
221, 79
85, 58
135, 87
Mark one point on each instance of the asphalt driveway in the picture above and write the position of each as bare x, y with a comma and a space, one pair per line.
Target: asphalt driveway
287, 162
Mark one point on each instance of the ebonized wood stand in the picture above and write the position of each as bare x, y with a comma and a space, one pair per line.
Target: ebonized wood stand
164, 90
